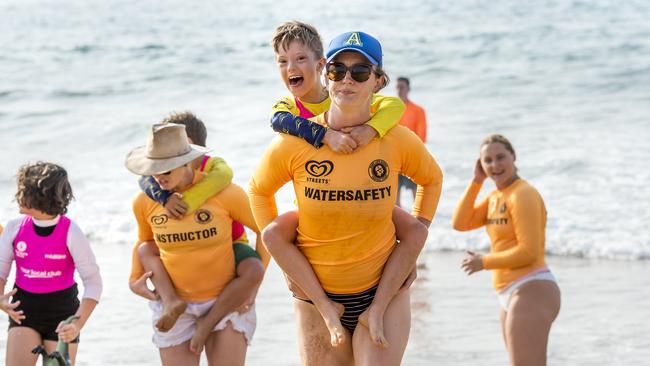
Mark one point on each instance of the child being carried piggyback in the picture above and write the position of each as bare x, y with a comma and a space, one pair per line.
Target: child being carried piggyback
301, 63
146, 261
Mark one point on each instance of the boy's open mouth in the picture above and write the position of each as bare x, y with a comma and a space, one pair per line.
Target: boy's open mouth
295, 80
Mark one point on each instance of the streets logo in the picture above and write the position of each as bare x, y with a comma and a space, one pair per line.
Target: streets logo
202, 216
159, 220
378, 170
319, 169
503, 208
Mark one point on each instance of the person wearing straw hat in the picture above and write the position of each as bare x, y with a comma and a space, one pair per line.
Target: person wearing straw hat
195, 250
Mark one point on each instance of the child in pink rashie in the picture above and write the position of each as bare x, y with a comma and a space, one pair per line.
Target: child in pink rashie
43, 263
47, 248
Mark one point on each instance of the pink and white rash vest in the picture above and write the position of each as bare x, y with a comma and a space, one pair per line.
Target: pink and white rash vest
304, 112
43, 263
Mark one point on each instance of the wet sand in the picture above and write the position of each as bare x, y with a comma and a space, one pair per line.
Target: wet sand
605, 306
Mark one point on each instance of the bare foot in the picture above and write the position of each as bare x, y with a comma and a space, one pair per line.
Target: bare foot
170, 315
201, 334
375, 324
332, 312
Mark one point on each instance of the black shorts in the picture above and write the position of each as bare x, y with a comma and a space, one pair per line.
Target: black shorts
44, 312
354, 305
243, 251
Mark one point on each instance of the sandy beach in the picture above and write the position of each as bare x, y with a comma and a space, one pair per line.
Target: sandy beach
454, 318
567, 82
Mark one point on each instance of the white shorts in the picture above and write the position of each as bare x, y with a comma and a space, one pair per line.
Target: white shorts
543, 274
184, 328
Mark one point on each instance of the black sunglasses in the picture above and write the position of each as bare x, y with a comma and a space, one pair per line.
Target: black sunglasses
359, 72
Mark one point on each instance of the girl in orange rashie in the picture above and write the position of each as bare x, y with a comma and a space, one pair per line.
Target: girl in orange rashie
515, 218
346, 259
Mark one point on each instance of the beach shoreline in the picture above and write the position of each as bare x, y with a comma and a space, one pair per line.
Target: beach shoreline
454, 317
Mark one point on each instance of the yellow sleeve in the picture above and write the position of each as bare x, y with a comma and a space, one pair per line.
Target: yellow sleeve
467, 216
273, 171
387, 112
285, 104
137, 270
236, 202
218, 176
422, 168
526, 210
1, 229
144, 233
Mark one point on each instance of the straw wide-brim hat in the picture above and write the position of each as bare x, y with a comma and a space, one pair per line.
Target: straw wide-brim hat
167, 148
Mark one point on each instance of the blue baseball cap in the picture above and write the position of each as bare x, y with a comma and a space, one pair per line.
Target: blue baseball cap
360, 42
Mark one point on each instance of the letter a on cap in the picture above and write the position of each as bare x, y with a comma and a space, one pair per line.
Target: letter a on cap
354, 40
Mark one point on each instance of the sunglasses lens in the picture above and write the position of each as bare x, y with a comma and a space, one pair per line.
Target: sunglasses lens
336, 72
360, 73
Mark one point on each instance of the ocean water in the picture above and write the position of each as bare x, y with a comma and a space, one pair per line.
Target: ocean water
567, 81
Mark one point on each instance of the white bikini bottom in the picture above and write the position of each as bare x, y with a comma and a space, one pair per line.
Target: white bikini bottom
542, 274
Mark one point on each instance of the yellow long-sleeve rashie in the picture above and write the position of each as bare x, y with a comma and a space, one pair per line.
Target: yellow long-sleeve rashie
345, 202
197, 249
386, 111
515, 220
218, 176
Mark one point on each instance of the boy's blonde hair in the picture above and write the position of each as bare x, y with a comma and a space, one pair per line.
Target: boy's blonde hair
297, 31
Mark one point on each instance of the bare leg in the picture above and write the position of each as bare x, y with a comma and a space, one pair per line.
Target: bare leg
532, 310
397, 325
314, 339
297, 268
412, 234
242, 288
173, 306
502, 317
286, 227
178, 355
20, 343
50, 346
226, 347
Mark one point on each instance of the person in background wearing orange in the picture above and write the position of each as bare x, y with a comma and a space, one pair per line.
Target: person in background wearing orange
415, 120
514, 216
